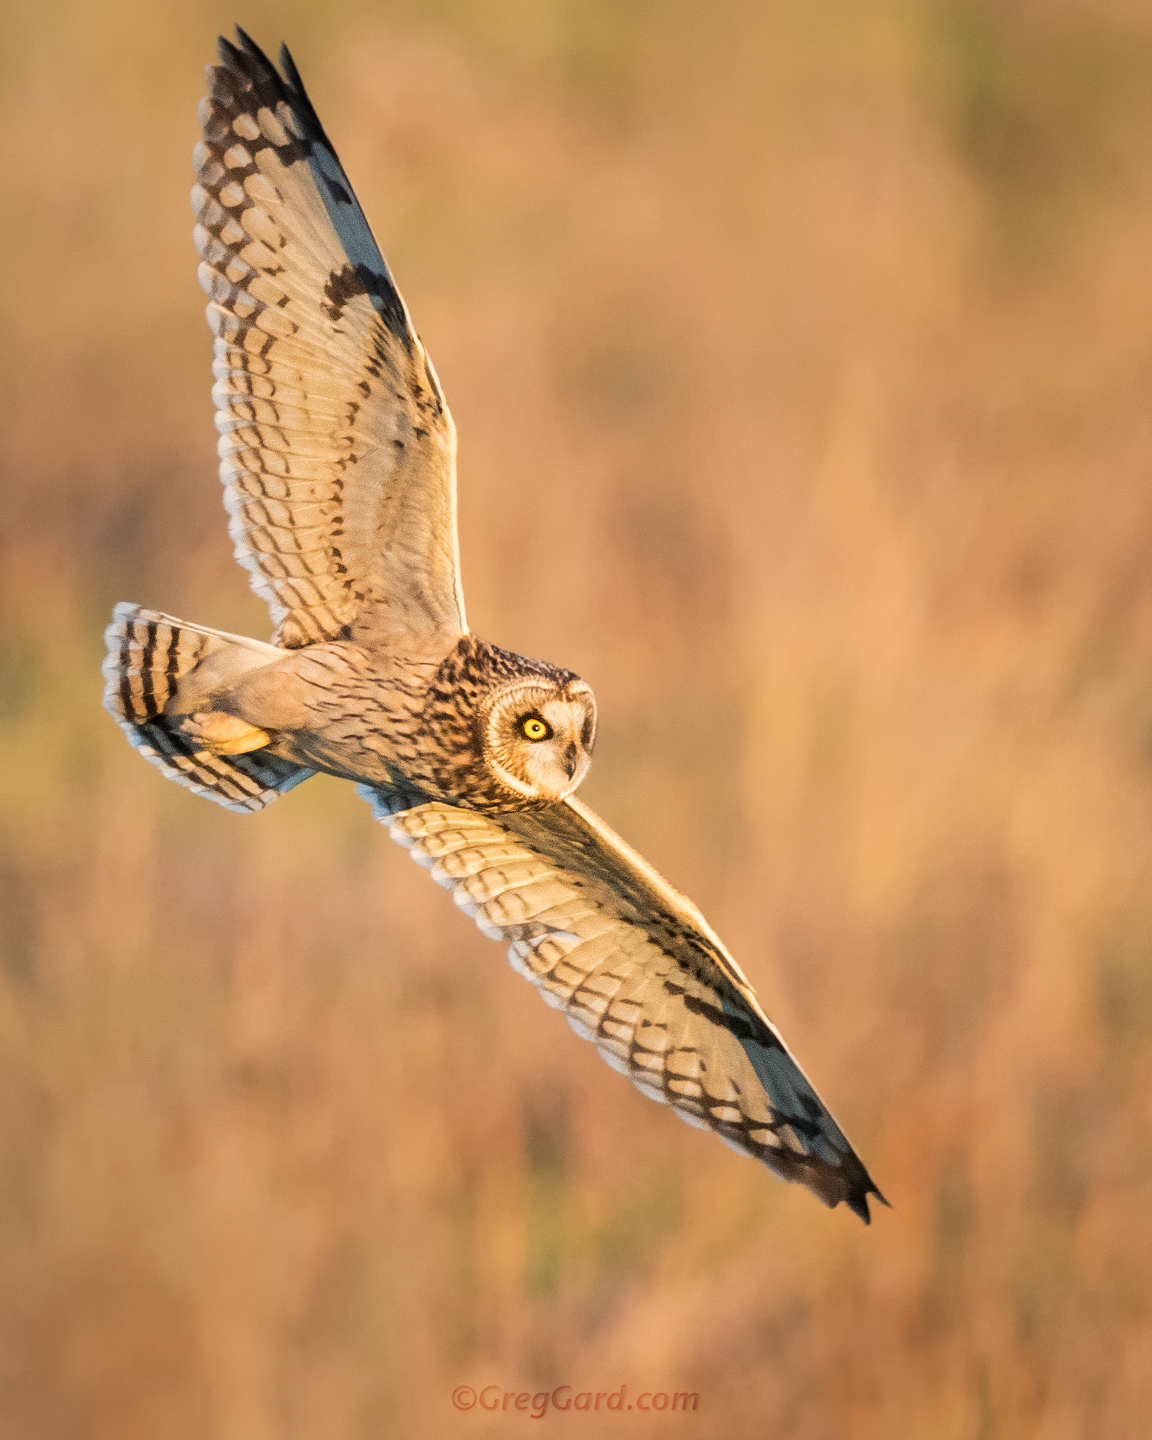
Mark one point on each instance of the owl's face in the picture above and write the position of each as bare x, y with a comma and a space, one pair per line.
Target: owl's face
538, 736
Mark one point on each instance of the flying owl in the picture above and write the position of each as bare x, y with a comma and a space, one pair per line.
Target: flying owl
337, 455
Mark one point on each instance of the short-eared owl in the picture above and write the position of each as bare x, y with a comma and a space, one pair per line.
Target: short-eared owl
337, 454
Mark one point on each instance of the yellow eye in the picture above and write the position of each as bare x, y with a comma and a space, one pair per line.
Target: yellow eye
533, 728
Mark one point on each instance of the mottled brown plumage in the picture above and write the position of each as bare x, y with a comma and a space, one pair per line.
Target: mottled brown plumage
337, 457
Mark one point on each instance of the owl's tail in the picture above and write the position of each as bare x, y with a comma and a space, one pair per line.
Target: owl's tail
153, 659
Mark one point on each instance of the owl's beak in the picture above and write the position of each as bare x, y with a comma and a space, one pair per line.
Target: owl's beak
570, 760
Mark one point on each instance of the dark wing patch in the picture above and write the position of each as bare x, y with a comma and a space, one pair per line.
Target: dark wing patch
343, 208
636, 969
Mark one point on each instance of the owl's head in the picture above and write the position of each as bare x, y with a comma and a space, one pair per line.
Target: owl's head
537, 734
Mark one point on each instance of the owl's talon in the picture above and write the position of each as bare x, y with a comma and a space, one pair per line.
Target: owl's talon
226, 734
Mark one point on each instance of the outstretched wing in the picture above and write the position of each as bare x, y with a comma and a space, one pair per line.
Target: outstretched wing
636, 969
337, 452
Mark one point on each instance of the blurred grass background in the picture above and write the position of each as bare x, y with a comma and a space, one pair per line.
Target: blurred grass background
817, 340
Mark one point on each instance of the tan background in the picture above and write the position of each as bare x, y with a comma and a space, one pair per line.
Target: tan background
802, 360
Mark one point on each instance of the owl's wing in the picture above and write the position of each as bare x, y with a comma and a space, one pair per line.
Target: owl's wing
636, 969
337, 451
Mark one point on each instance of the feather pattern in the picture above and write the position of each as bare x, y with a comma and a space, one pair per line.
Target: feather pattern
337, 451
635, 968
148, 655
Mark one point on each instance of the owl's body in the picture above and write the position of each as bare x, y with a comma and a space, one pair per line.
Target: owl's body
338, 463
418, 722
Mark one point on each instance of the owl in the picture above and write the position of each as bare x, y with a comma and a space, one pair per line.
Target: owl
337, 456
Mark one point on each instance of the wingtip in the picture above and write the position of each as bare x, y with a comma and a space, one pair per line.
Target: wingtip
857, 1202
243, 54
253, 51
291, 73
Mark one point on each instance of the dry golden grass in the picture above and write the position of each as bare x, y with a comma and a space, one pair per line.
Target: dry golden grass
818, 340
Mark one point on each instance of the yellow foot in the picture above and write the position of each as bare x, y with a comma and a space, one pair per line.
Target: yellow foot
225, 734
